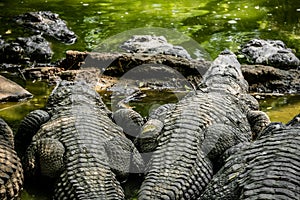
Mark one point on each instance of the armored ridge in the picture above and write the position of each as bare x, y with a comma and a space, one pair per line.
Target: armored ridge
198, 130
11, 176
80, 146
268, 168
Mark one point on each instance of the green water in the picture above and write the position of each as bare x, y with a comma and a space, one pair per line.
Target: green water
281, 109
14, 112
213, 24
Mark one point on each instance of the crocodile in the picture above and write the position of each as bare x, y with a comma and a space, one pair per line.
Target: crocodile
11, 176
47, 23
198, 130
79, 146
270, 52
267, 168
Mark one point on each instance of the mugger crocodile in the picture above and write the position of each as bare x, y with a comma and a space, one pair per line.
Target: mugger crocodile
11, 171
268, 168
80, 146
199, 129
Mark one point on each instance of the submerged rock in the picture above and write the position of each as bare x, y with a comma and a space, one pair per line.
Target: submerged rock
153, 45
270, 52
47, 23
11, 91
23, 49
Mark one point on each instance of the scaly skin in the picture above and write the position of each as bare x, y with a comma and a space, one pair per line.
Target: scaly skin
267, 168
81, 147
130, 120
11, 172
197, 132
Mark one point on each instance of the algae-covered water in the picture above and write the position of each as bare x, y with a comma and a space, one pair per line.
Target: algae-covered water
213, 24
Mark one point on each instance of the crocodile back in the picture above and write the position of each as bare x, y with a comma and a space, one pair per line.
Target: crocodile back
268, 168
80, 123
180, 167
87, 173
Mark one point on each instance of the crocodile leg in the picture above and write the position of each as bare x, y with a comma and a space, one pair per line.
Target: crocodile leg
147, 139
217, 139
123, 157
130, 120
46, 155
258, 121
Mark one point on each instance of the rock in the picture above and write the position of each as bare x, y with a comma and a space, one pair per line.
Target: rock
23, 49
48, 73
261, 79
153, 45
270, 52
268, 79
47, 23
116, 64
10, 91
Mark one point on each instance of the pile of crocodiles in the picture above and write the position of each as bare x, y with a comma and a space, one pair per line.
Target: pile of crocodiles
212, 144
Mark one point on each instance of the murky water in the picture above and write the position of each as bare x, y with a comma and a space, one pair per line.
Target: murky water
214, 24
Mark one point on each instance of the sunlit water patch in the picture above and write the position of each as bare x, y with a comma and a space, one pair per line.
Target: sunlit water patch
281, 109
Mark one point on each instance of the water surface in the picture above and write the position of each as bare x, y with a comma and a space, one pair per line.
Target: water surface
215, 24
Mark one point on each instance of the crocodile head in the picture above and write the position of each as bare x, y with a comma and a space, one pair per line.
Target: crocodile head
69, 94
225, 74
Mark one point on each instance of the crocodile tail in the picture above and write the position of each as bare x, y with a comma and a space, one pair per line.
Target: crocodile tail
107, 187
